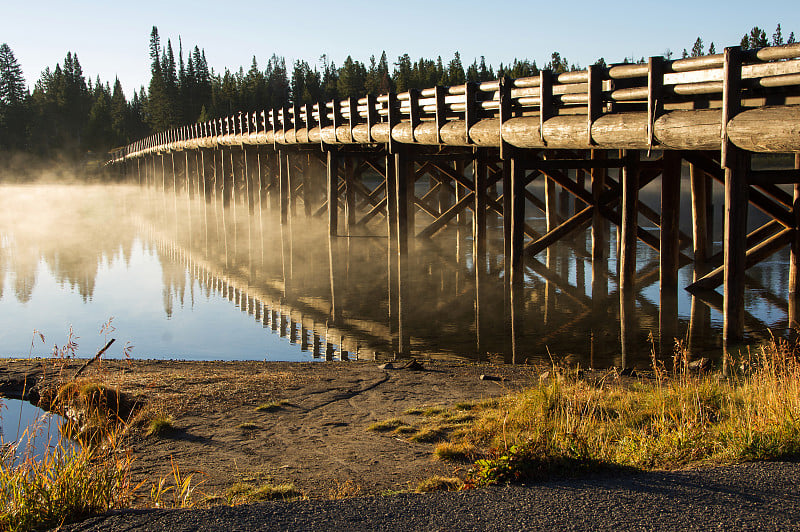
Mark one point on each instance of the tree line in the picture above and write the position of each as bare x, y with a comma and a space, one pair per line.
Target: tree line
66, 113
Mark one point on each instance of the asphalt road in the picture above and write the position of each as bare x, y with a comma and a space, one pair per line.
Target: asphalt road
754, 496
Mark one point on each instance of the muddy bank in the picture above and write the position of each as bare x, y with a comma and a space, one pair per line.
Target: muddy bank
315, 435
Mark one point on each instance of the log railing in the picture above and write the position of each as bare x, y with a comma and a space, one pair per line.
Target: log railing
662, 104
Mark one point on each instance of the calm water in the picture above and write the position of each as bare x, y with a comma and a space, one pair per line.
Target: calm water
34, 429
187, 279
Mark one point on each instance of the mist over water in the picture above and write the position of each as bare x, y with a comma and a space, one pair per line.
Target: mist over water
189, 279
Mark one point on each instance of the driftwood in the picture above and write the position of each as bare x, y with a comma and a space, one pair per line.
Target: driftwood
96, 357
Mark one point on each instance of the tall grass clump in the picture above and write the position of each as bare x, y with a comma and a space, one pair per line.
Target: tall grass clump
65, 484
566, 425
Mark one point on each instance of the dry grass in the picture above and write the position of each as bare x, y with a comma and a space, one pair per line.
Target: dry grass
566, 425
437, 483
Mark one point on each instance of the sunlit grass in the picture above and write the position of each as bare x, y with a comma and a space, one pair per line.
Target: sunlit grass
566, 425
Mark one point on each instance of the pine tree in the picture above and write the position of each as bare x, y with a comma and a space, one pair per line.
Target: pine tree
777, 37
697, 48
402, 73
455, 71
13, 96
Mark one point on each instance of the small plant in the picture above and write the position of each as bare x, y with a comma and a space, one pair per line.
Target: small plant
181, 489
272, 406
160, 425
66, 484
454, 452
245, 492
343, 490
437, 483
387, 425
427, 435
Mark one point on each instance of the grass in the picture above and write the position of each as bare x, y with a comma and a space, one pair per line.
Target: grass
438, 483
386, 426
567, 425
66, 484
272, 406
160, 425
247, 492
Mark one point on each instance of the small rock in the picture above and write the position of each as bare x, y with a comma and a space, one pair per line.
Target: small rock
414, 366
491, 378
387, 365
702, 364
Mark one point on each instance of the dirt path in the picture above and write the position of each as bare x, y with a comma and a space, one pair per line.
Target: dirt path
316, 438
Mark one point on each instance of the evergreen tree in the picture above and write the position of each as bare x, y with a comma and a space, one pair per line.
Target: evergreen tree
13, 96
697, 48
352, 77
712, 49
455, 71
777, 37
157, 113
402, 73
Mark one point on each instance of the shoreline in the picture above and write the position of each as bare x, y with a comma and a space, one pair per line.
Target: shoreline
315, 435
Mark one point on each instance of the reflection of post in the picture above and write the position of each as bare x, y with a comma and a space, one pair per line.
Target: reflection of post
286, 259
670, 250
334, 277
794, 261
516, 258
479, 244
630, 198
627, 329
699, 324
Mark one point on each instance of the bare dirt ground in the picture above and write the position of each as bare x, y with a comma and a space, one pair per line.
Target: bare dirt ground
317, 438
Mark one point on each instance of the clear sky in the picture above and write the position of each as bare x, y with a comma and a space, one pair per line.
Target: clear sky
111, 38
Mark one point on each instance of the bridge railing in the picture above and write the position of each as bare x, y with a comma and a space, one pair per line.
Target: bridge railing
732, 81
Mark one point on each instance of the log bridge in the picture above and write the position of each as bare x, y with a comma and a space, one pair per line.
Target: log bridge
599, 134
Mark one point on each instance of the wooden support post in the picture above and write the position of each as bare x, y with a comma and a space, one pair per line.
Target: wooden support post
630, 224
517, 257
700, 218
669, 247
404, 185
551, 214
599, 223
305, 162
391, 231
507, 237
349, 193
333, 192
479, 245
284, 185
794, 259
735, 244
736, 164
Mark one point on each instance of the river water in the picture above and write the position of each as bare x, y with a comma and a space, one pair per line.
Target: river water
178, 277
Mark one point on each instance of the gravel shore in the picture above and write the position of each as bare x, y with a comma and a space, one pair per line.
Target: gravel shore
753, 496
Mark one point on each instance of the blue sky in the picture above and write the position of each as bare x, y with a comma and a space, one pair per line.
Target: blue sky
111, 38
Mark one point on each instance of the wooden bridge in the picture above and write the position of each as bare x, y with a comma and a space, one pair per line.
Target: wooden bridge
599, 135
